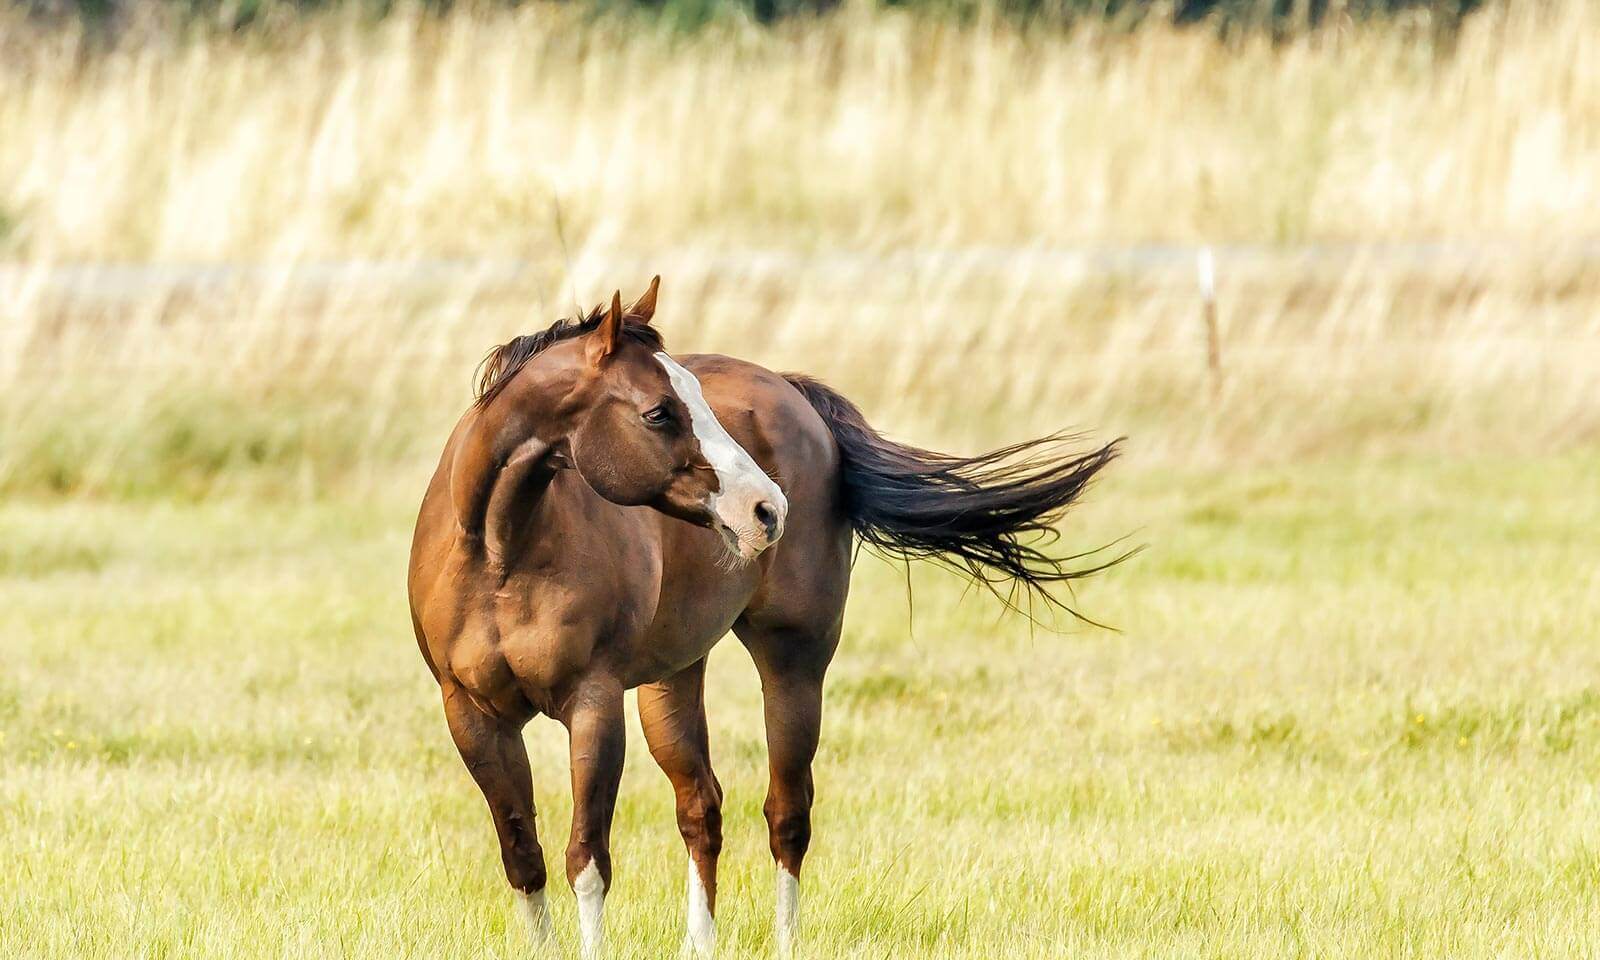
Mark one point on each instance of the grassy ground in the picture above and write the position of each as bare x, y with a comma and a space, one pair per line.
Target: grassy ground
1354, 708
1355, 711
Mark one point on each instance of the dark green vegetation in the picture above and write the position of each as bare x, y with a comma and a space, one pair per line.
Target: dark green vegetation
1277, 16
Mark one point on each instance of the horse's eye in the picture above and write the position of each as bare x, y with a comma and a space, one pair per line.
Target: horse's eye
656, 416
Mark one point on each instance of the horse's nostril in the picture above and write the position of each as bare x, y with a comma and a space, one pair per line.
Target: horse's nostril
767, 516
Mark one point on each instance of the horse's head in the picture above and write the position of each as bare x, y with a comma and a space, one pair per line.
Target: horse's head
646, 436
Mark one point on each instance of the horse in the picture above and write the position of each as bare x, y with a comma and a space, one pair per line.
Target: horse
604, 513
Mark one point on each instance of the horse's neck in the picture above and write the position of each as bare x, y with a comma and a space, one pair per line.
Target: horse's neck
512, 512
503, 463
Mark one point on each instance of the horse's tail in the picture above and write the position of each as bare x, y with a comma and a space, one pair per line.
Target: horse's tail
987, 516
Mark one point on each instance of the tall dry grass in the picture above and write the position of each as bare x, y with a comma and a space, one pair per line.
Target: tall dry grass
911, 208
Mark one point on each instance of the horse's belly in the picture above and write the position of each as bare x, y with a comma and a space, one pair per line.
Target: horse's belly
678, 640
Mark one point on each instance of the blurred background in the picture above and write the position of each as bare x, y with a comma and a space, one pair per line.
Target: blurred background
271, 255
1333, 267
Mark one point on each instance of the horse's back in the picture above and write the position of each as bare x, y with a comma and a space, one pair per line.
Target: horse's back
777, 426
806, 574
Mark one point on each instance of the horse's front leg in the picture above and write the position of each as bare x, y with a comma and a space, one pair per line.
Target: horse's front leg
493, 752
598, 738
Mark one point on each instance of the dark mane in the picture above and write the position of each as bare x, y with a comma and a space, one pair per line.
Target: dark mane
503, 362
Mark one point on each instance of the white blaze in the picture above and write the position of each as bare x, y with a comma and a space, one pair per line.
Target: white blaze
788, 913
743, 483
702, 928
591, 892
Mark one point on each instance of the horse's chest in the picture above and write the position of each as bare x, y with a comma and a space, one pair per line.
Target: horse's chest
552, 634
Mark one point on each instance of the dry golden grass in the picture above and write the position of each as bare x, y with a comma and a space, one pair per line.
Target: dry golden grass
459, 136
909, 208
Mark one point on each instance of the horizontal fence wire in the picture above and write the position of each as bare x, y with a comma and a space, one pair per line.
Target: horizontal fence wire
1150, 264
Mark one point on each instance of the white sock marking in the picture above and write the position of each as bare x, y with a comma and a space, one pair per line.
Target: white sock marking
535, 914
702, 926
788, 917
591, 892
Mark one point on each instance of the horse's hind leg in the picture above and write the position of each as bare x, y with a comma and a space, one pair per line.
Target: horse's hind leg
494, 754
674, 718
791, 662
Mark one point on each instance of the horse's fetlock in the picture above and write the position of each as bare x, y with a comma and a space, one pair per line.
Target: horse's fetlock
581, 856
527, 876
791, 832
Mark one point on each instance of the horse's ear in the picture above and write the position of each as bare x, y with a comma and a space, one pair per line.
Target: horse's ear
645, 307
603, 342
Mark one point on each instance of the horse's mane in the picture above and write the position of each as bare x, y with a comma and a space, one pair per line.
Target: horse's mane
503, 362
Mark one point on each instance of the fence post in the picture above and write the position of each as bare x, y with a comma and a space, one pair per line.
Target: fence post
1206, 273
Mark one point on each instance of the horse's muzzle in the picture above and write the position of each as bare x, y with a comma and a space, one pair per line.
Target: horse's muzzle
751, 522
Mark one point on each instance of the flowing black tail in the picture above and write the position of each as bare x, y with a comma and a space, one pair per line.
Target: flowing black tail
986, 516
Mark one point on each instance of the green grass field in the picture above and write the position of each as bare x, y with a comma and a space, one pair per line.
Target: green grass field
1354, 710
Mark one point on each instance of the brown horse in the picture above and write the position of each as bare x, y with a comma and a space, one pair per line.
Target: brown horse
605, 513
